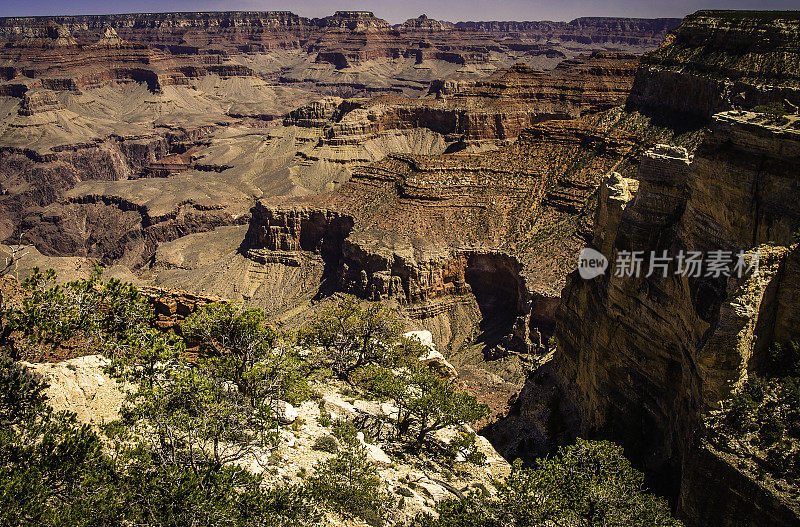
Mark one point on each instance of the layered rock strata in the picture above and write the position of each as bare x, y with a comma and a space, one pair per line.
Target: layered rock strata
108, 97
234, 31
435, 234
349, 53
499, 107
722, 60
49, 57
645, 355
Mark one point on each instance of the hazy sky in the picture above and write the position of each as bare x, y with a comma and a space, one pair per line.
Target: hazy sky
396, 11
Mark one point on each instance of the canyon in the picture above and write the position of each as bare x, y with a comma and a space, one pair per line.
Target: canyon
453, 171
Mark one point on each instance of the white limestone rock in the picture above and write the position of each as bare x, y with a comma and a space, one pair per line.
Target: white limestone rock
374, 453
285, 413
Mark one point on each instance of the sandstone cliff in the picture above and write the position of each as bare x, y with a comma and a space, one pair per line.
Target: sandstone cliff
645, 355
499, 107
273, 29
639, 358
721, 60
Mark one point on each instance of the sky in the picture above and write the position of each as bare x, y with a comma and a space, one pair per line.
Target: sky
397, 11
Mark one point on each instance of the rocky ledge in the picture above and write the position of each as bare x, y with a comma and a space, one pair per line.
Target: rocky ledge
722, 60
82, 386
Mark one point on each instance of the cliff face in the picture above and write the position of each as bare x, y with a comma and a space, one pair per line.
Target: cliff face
36, 182
106, 98
718, 61
586, 29
50, 57
326, 140
114, 230
264, 28
638, 358
645, 355
353, 20
456, 239
499, 107
345, 54
717, 488
423, 23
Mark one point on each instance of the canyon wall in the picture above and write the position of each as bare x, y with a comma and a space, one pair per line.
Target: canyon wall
640, 357
499, 107
721, 60
269, 29
473, 247
183, 96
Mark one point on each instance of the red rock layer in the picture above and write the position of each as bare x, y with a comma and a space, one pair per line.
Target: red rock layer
499, 107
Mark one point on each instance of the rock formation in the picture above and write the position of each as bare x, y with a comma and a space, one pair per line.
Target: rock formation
328, 139
116, 97
82, 386
356, 21
457, 238
499, 107
466, 208
57, 61
644, 356
265, 30
704, 67
423, 23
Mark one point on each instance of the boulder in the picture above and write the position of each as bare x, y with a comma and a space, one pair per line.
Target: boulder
374, 453
436, 491
285, 413
436, 361
423, 336
390, 411
339, 408
81, 385
433, 359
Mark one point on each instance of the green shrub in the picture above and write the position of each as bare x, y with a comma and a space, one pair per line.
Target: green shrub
345, 431
21, 393
350, 485
426, 402
765, 414
774, 110
784, 360
588, 483
324, 418
326, 443
771, 430
741, 413
351, 336
464, 447
294, 385
110, 317
53, 472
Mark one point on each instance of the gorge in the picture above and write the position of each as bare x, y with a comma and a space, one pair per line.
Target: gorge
454, 172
